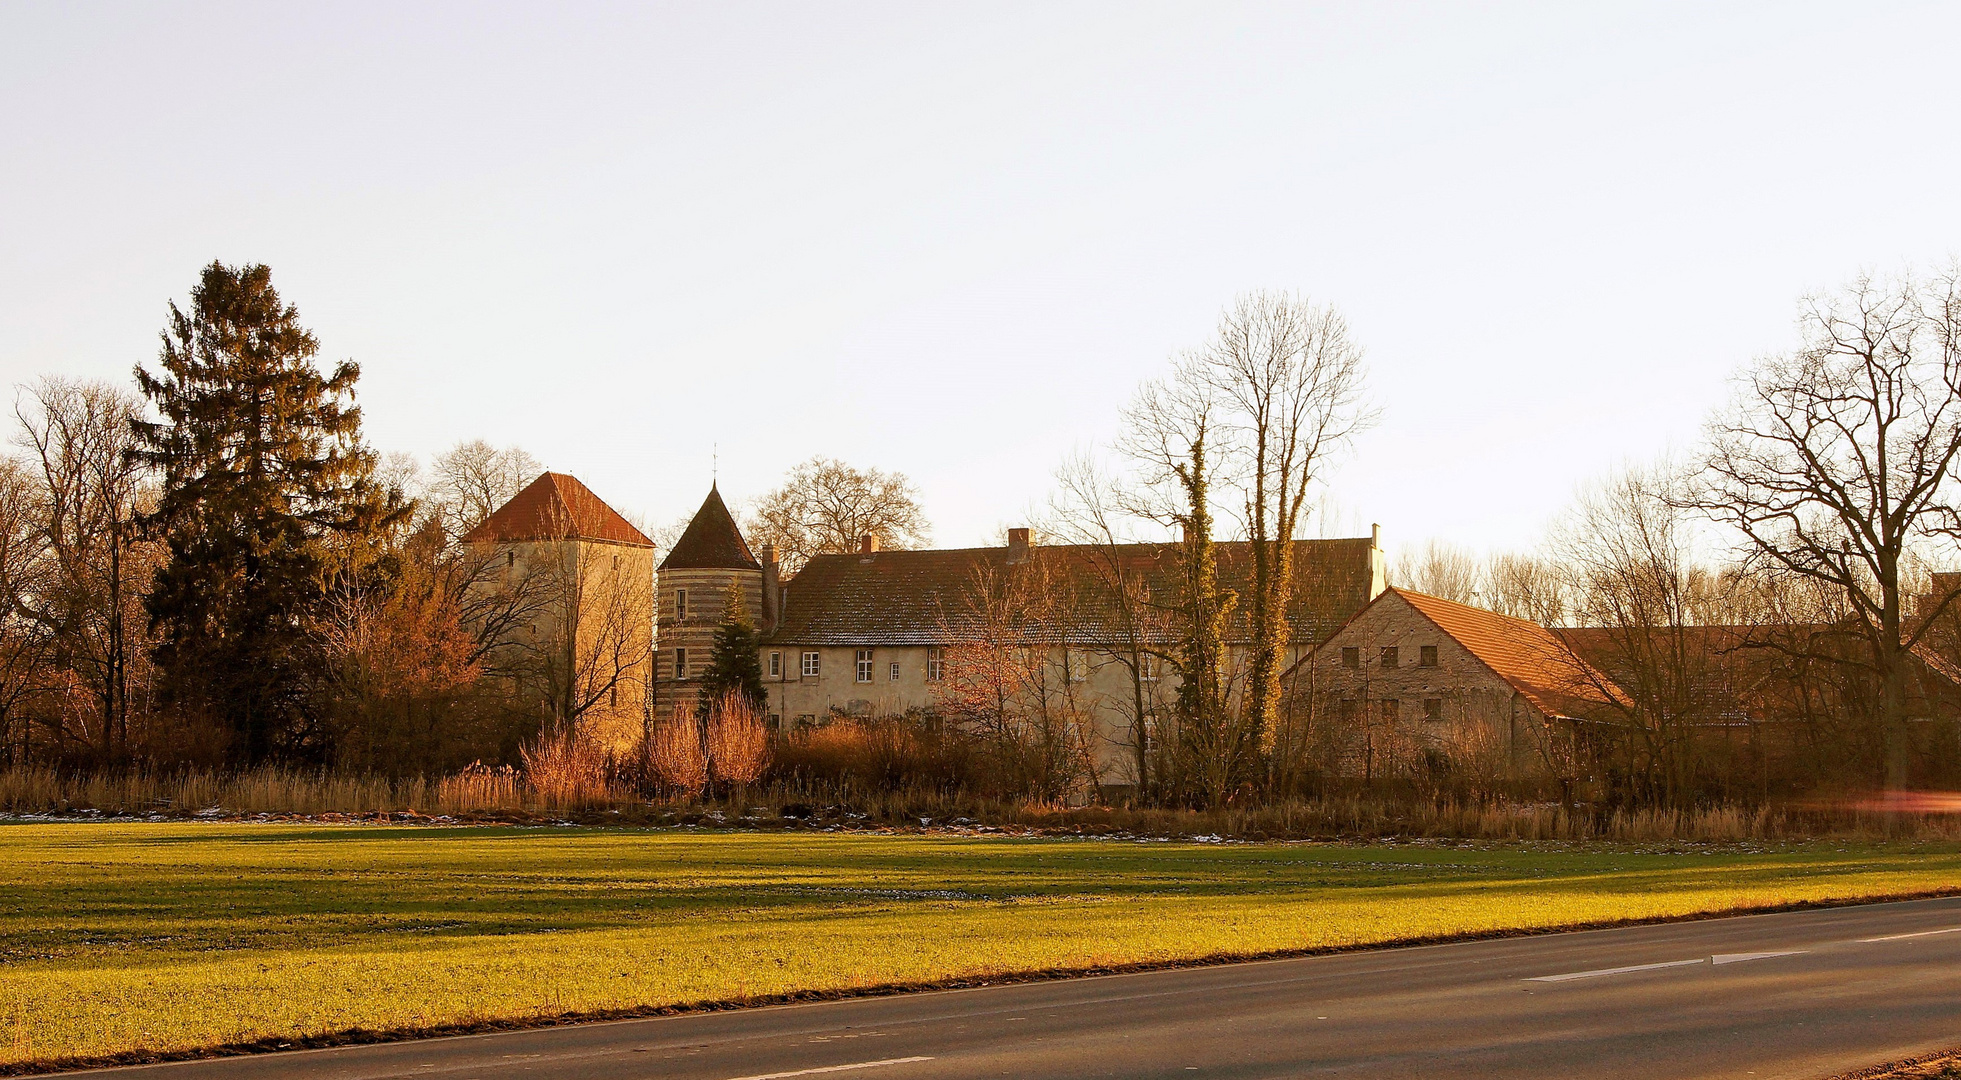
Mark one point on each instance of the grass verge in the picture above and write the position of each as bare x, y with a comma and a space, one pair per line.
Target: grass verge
139, 941
1945, 1065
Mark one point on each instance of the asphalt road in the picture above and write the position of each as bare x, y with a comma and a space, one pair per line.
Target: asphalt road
1798, 994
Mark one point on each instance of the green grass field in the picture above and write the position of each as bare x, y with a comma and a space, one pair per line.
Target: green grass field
118, 938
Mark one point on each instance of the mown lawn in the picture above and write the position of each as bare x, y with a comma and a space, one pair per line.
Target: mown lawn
166, 937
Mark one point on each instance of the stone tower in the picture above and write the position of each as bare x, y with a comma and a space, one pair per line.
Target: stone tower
571, 584
694, 584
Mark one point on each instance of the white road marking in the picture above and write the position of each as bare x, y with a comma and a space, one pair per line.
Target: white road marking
1903, 937
1739, 957
1570, 976
1717, 960
836, 1068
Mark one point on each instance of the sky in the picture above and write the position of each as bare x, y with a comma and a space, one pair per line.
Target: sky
653, 244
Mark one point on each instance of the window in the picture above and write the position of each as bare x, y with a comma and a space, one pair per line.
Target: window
1074, 666
894, 672
1351, 657
510, 558
681, 604
1433, 708
616, 695
1426, 656
810, 665
1391, 656
776, 721
1348, 708
776, 665
680, 663
1391, 710
935, 664
1147, 669
864, 665
805, 720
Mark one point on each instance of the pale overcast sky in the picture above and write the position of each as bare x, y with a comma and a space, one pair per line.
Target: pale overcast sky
951, 239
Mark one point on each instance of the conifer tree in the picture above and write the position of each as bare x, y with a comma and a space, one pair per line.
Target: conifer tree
732, 661
268, 497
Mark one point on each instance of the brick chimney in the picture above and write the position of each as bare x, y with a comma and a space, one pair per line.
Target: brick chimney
867, 544
1018, 543
772, 588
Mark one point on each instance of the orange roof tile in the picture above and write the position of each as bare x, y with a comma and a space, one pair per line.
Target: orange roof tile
557, 506
1530, 657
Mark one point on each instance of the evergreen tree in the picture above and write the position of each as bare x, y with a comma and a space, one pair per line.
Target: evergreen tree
268, 500
732, 662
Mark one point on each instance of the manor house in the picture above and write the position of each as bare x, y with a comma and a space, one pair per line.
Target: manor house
869, 632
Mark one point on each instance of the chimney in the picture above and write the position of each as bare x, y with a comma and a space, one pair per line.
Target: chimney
1378, 565
1017, 545
772, 588
867, 544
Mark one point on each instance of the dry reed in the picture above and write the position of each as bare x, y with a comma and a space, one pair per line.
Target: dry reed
572, 783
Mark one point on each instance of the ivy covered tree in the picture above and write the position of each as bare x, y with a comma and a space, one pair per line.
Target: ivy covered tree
268, 502
733, 665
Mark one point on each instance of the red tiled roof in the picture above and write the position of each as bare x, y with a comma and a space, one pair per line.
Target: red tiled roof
923, 597
711, 541
557, 506
1528, 656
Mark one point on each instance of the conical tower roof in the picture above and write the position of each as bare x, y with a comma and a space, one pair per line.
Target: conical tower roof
711, 541
556, 506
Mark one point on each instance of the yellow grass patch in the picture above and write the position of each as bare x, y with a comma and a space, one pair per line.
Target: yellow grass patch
167, 937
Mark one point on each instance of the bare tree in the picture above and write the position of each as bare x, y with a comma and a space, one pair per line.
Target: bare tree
469, 481
1166, 431
1655, 621
1442, 569
1117, 614
81, 437
1838, 459
825, 507
24, 640
1007, 678
1525, 587
602, 609
1290, 381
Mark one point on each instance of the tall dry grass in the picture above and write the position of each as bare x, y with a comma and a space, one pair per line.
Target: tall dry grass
565, 772
37, 790
738, 743
568, 783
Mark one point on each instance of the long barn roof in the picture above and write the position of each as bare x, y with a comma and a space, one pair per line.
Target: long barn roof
932, 597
